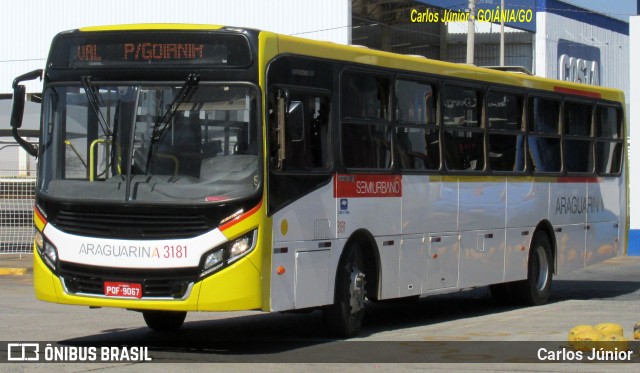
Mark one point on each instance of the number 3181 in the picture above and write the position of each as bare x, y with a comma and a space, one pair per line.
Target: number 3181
175, 252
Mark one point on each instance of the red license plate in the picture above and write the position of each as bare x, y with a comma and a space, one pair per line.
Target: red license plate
122, 289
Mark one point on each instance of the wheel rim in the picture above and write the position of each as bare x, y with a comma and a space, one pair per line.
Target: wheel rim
356, 290
542, 265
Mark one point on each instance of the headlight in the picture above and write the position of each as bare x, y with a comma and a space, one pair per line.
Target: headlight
47, 252
228, 253
213, 259
240, 247
50, 252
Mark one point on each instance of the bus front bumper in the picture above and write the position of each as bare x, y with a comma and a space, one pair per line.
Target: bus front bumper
237, 287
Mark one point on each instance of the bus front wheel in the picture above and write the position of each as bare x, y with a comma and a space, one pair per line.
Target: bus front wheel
164, 321
346, 314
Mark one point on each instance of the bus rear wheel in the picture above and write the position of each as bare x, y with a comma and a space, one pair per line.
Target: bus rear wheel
346, 314
164, 321
536, 288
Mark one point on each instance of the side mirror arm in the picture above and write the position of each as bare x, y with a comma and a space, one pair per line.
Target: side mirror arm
31, 149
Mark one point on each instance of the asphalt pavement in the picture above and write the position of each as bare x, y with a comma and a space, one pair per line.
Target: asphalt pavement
466, 328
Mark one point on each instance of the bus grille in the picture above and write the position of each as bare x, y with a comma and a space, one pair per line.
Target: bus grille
156, 283
130, 225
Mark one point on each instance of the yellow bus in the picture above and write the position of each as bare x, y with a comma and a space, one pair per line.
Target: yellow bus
208, 168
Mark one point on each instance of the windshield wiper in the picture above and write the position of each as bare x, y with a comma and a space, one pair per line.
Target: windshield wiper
164, 122
185, 92
92, 97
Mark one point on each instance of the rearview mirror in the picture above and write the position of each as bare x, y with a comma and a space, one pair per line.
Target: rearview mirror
17, 109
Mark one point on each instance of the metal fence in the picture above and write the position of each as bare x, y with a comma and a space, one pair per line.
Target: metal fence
17, 188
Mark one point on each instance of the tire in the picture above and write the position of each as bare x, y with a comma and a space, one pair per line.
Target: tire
536, 288
164, 321
347, 312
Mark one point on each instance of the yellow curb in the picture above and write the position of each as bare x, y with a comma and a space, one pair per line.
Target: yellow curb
13, 271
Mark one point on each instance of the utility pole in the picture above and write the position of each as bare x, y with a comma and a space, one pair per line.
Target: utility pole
472, 29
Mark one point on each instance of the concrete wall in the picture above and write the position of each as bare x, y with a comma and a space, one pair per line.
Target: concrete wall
555, 31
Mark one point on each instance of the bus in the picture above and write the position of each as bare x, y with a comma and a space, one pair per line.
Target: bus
192, 168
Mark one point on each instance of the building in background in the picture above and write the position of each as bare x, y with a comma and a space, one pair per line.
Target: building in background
550, 38
544, 30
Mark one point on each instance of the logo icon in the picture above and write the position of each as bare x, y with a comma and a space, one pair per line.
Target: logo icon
23, 352
344, 204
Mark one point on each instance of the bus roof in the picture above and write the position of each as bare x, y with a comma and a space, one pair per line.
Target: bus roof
416, 64
408, 63
150, 26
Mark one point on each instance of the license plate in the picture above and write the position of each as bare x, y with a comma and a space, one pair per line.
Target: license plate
122, 289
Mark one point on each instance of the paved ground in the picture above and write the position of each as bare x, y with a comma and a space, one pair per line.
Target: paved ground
15, 264
466, 331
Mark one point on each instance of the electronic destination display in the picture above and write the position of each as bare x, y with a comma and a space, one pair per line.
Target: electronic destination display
118, 49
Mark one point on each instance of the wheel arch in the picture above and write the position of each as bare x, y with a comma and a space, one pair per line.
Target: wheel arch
546, 227
371, 257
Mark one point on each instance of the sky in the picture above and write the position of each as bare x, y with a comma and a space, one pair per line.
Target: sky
615, 8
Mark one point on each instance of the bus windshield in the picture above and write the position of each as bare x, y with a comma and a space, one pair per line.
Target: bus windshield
173, 143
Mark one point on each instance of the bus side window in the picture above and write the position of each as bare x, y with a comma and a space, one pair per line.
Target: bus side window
544, 138
365, 125
506, 133
306, 131
578, 154
417, 133
609, 140
463, 132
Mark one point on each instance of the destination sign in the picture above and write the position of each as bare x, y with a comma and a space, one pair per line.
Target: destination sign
145, 51
120, 49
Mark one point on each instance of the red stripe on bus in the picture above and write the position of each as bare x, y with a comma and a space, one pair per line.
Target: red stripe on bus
367, 186
240, 218
578, 92
578, 179
38, 215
